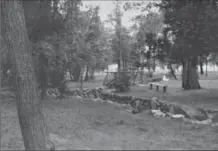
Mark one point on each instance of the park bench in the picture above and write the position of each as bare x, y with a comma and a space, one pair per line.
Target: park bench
155, 79
157, 86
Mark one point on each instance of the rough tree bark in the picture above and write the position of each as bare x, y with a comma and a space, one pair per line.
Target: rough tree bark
76, 73
81, 79
43, 75
87, 74
172, 71
206, 67
141, 68
29, 107
92, 75
183, 71
190, 75
201, 65
154, 65
1, 63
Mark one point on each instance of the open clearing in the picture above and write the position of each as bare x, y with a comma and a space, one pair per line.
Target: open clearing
90, 125
93, 125
206, 97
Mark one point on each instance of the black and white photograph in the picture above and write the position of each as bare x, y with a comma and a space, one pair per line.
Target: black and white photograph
109, 75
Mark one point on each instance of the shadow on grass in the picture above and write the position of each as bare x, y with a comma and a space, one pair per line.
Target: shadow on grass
92, 125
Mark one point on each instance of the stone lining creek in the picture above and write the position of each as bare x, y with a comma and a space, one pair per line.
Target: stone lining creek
157, 108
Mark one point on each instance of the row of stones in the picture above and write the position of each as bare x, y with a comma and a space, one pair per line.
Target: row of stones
139, 104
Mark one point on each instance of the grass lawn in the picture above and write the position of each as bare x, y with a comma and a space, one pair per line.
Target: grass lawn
206, 97
91, 125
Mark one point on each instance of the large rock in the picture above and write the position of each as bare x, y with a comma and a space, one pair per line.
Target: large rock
99, 89
165, 108
154, 103
92, 96
140, 105
158, 113
119, 99
136, 108
175, 109
127, 98
79, 93
111, 97
214, 119
105, 95
193, 113
123, 99
132, 102
146, 103
137, 103
84, 94
97, 94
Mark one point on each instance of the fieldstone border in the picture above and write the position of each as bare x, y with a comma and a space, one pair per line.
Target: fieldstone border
157, 107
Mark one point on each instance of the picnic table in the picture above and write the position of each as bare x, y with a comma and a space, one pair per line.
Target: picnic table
164, 86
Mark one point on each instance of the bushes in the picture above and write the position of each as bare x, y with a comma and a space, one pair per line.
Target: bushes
121, 82
57, 76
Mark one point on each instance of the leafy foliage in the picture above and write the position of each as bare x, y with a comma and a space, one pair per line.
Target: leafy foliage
192, 24
61, 29
121, 82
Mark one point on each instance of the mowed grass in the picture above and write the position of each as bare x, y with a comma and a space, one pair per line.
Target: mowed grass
93, 125
206, 97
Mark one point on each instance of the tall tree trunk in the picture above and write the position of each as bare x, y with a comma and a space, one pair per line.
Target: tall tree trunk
190, 75
70, 70
29, 107
206, 67
92, 76
43, 74
0, 82
118, 34
183, 72
71, 75
154, 64
172, 71
141, 68
120, 60
76, 72
201, 65
118, 65
1, 71
87, 74
81, 79
44, 85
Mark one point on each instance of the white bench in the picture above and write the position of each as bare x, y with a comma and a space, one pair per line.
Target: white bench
157, 86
